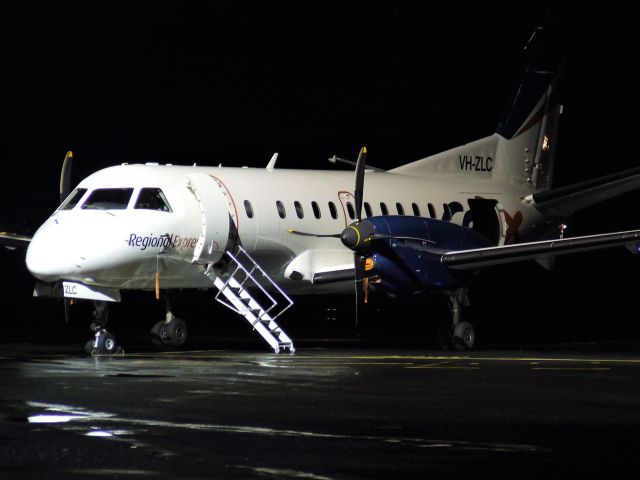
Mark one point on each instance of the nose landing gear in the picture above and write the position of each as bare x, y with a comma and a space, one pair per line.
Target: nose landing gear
103, 342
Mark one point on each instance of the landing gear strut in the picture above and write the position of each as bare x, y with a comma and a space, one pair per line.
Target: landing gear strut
171, 331
459, 334
103, 342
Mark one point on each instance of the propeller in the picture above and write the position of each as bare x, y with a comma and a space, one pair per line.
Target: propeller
65, 176
352, 236
361, 283
307, 234
65, 189
359, 181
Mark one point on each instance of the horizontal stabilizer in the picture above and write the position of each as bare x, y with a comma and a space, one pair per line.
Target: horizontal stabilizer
484, 257
563, 201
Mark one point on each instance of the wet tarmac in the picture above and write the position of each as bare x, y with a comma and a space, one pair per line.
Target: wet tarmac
328, 412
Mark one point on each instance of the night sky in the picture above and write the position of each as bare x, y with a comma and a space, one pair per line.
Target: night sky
185, 82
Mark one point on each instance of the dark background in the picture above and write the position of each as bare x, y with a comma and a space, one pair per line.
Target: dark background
208, 83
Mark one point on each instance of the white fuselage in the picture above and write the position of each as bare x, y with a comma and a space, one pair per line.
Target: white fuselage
123, 248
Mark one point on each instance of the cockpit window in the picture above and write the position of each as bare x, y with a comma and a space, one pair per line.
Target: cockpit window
152, 199
108, 199
73, 199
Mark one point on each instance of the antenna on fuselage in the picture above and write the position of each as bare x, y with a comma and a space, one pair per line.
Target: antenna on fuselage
272, 163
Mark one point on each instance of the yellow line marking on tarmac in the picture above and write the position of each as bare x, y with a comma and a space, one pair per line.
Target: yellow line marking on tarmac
573, 369
447, 366
635, 361
443, 367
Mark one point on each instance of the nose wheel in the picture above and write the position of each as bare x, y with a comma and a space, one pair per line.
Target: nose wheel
102, 342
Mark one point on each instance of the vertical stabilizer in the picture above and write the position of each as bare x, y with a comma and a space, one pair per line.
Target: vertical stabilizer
529, 131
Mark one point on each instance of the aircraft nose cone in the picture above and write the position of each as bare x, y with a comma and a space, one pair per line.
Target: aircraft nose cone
40, 262
48, 255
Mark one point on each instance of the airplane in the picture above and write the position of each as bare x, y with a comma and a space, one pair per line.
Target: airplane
261, 235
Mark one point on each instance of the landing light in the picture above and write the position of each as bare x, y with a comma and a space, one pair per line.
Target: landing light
545, 143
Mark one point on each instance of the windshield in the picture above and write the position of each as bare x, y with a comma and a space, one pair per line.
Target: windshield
152, 199
108, 199
73, 199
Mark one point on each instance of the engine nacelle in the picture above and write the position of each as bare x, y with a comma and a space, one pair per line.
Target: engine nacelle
406, 251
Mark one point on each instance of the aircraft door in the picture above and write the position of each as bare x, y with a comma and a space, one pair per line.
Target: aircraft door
214, 216
488, 218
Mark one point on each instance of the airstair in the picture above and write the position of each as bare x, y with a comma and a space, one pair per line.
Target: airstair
249, 291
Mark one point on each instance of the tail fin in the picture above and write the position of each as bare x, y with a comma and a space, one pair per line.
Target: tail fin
522, 151
529, 130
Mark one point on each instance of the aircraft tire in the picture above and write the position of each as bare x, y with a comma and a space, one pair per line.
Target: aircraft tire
174, 333
464, 336
106, 344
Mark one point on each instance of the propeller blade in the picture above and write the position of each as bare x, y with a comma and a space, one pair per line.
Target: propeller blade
359, 262
359, 181
67, 304
65, 175
318, 235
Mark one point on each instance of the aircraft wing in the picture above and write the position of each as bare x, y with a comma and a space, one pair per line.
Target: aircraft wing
13, 240
542, 250
322, 266
563, 201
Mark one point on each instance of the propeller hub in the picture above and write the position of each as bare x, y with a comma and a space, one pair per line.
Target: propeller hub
356, 236
351, 237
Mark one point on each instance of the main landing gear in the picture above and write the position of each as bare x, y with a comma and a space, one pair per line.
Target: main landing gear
103, 342
171, 331
459, 334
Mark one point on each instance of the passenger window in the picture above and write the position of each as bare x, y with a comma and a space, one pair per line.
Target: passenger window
399, 208
333, 210
281, 210
73, 199
298, 208
352, 212
367, 209
152, 199
432, 210
316, 209
416, 209
384, 209
108, 199
248, 208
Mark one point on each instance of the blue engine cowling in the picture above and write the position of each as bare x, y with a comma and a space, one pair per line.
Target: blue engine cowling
406, 251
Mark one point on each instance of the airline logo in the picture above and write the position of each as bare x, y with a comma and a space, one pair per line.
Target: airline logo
168, 240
